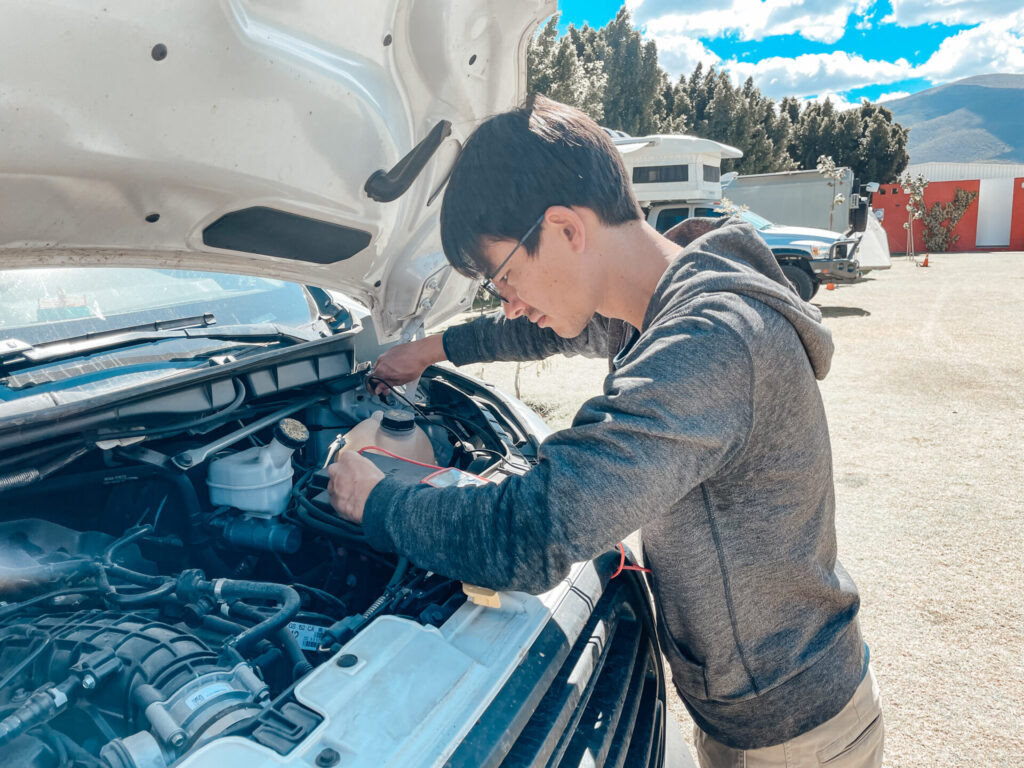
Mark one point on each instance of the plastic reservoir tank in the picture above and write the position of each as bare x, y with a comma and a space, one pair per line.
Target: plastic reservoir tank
258, 479
394, 431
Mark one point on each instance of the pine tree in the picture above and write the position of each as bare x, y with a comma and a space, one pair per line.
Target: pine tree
556, 69
613, 75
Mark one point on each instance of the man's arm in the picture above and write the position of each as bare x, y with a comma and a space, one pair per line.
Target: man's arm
484, 340
680, 409
494, 337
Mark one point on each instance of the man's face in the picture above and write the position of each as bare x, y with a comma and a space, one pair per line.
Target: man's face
551, 286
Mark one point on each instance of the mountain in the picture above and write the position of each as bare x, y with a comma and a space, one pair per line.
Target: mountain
977, 119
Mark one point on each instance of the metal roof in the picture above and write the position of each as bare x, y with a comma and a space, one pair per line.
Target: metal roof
966, 171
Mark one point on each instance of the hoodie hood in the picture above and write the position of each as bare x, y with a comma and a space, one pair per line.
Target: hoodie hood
726, 254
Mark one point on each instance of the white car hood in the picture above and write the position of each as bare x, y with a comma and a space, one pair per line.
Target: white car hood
237, 136
808, 232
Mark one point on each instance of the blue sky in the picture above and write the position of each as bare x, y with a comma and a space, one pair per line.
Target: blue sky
845, 50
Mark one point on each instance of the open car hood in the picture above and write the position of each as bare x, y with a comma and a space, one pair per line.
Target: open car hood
239, 136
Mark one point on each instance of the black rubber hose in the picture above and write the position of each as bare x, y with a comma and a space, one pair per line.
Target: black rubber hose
285, 639
222, 625
141, 598
287, 599
134, 577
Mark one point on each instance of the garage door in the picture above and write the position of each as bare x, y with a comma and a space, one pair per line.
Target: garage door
995, 206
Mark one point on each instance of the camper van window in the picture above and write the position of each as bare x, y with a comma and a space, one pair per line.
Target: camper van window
669, 217
655, 174
712, 173
706, 212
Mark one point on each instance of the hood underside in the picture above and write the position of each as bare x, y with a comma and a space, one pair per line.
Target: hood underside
238, 136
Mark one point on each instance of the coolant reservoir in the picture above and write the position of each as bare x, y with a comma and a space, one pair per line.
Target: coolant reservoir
394, 431
258, 480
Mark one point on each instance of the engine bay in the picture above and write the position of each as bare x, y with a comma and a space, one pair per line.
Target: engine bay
170, 584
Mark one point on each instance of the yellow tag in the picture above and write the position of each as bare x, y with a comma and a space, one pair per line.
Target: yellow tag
482, 596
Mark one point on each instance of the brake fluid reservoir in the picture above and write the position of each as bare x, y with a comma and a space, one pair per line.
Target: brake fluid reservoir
258, 480
394, 431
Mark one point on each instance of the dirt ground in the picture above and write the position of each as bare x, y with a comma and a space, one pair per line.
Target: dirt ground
926, 410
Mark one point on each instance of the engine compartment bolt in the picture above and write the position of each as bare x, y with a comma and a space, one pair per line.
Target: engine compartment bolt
347, 660
178, 740
327, 757
88, 682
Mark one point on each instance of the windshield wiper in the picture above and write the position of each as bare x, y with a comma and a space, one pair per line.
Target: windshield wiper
15, 353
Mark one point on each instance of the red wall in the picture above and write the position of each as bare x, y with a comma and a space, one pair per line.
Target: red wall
894, 203
1017, 220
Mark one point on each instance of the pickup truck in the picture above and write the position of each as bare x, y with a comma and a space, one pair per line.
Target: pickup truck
809, 257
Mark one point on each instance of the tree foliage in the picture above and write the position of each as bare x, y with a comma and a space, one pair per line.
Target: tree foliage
613, 75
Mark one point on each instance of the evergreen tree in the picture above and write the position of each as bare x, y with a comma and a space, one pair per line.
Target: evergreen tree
883, 149
632, 93
556, 69
613, 75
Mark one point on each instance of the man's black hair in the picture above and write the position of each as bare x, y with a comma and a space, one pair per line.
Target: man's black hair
517, 164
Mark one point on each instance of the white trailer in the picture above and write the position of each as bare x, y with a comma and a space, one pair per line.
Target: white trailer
798, 198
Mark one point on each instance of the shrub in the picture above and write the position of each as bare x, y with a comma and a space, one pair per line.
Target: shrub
941, 219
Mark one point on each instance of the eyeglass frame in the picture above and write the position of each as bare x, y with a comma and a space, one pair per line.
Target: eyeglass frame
488, 283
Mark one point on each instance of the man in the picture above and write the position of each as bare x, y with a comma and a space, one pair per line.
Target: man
710, 436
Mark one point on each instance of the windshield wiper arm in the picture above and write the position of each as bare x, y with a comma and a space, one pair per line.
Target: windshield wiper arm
16, 353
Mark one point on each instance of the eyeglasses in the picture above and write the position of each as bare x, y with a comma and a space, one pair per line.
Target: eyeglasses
488, 284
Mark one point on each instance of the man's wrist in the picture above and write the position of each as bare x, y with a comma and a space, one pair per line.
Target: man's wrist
433, 349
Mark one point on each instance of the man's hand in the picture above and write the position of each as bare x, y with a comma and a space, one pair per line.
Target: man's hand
351, 478
403, 363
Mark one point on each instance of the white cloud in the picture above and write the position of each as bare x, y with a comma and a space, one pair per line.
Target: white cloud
891, 96
838, 100
679, 55
814, 73
911, 13
995, 46
819, 20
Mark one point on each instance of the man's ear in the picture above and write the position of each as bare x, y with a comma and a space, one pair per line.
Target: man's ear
569, 224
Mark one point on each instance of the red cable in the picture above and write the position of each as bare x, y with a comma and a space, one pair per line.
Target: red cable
622, 563
396, 456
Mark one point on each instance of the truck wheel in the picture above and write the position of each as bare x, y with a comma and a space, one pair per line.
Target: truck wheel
814, 290
800, 280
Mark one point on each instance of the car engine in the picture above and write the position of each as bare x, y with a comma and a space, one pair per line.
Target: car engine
143, 617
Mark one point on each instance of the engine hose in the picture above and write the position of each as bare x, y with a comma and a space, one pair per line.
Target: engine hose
141, 598
142, 579
287, 599
222, 625
285, 639
311, 515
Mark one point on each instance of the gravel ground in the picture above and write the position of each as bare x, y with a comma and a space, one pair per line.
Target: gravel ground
925, 409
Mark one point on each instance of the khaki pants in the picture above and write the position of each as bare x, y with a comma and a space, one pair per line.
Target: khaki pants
851, 739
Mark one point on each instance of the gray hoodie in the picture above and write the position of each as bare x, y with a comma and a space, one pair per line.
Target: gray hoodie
710, 436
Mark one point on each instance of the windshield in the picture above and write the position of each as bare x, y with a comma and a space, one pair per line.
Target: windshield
759, 222
43, 305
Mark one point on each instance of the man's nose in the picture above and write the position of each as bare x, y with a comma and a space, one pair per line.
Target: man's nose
514, 306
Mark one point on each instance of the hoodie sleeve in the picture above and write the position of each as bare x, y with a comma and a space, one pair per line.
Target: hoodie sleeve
677, 409
494, 337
